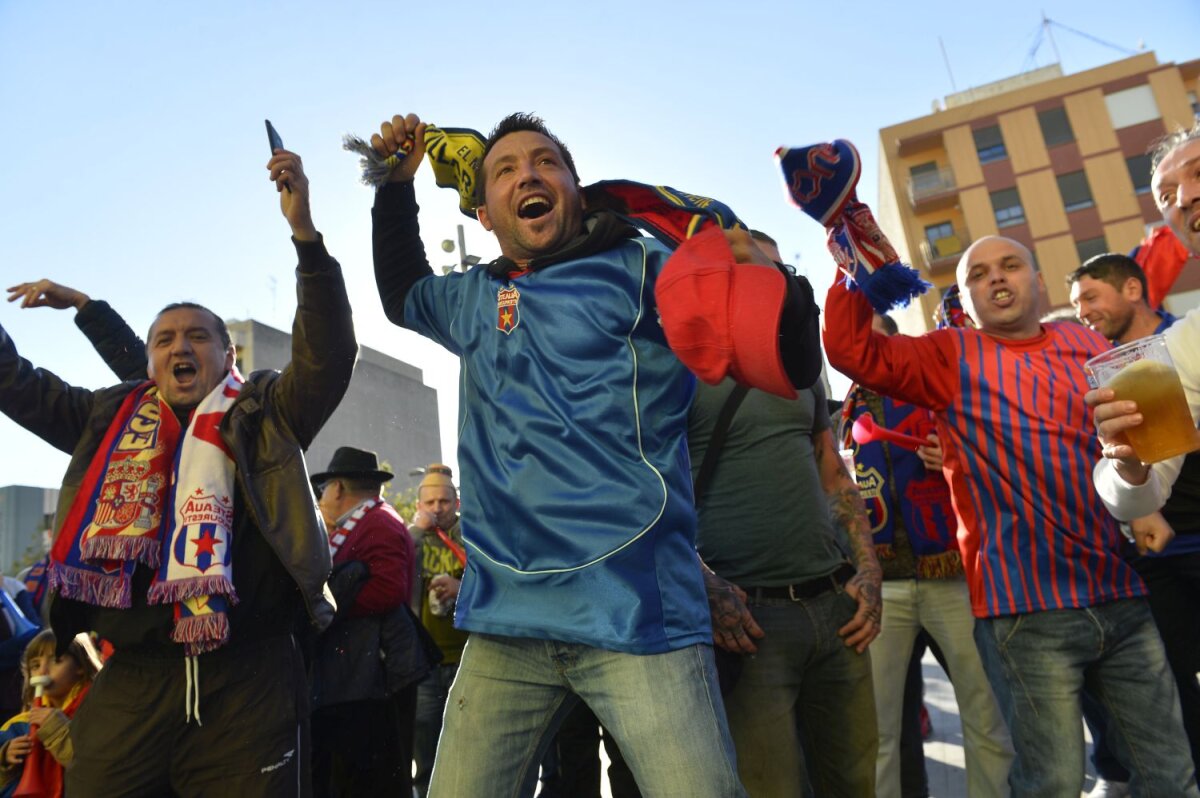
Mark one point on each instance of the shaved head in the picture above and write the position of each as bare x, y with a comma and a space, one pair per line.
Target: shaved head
964, 263
1001, 287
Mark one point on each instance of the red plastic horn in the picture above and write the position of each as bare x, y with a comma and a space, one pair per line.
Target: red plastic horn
34, 782
865, 431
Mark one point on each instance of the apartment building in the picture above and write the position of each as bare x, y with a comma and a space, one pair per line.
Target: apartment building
1057, 162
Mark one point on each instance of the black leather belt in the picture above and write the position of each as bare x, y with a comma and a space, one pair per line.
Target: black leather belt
804, 590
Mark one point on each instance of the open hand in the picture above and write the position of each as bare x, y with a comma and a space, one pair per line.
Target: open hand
47, 294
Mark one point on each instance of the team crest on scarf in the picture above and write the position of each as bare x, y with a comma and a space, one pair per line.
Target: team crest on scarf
508, 314
870, 487
204, 539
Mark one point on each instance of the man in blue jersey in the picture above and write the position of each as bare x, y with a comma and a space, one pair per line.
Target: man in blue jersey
1057, 608
582, 580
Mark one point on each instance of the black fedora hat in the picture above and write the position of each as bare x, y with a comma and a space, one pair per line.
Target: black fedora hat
353, 464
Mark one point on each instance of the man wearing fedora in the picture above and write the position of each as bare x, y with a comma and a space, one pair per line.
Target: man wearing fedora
362, 724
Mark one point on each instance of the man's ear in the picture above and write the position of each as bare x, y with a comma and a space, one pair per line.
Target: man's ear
482, 215
230, 357
582, 197
1132, 289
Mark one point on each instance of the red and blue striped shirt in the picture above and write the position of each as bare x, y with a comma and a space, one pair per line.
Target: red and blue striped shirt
1019, 447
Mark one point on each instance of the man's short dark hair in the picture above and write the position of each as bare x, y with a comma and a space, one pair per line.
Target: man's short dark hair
1112, 268
1163, 147
515, 123
222, 330
759, 235
889, 324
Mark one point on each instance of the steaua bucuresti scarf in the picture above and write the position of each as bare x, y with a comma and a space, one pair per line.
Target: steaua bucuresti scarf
890, 477
162, 496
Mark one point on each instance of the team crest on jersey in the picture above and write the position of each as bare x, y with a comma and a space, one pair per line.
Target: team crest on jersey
870, 487
508, 314
204, 539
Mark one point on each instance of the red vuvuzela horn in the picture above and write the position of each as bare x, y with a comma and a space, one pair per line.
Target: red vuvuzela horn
865, 431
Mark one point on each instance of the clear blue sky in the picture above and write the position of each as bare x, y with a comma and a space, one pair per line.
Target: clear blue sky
133, 147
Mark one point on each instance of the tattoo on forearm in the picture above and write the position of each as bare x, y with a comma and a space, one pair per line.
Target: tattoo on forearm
848, 514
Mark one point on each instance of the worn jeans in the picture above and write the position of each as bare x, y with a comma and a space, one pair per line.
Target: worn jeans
511, 694
431, 704
1039, 663
804, 680
943, 608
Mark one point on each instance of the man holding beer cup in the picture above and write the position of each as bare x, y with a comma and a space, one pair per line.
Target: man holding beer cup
1057, 608
1131, 484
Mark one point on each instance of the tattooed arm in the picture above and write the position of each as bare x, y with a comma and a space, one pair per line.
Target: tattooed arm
734, 628
848, 513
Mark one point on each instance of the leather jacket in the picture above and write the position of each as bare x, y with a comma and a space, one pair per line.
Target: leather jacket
269, 426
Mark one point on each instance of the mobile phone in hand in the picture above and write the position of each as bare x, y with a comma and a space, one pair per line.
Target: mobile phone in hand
273, 137
276, 143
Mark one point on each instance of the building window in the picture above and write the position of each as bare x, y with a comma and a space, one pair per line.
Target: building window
940, 230
944, 242
1007, 206
1090, 248
1075, 191
1131, 106
989, 144
1195, 103
924, 177
1056, 127
1139, 172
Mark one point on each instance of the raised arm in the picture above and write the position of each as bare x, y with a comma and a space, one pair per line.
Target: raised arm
39, 401
323, 344
395, 234
922, 370
119, 346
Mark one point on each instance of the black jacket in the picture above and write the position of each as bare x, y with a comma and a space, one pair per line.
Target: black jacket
271, 423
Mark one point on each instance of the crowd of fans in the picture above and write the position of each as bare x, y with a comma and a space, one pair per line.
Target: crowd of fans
723, 580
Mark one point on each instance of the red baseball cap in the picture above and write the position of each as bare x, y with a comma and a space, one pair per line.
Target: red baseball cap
721, 318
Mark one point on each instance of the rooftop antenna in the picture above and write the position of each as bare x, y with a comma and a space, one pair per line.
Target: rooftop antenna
946, 59
1050, 36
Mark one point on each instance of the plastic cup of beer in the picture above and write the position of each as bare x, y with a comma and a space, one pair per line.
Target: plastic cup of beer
1142, 372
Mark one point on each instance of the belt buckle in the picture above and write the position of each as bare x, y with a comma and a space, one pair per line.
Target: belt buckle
792, 594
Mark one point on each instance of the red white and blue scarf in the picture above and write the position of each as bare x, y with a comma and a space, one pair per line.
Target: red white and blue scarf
146, 463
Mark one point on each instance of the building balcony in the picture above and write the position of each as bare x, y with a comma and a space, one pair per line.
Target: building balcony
929, 190
942, 254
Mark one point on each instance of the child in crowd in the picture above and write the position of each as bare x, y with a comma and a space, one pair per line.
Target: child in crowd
70, 677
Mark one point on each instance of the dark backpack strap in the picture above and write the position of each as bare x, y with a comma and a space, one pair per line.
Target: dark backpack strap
717, 441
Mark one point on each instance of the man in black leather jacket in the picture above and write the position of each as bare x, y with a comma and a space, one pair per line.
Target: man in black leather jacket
130, 735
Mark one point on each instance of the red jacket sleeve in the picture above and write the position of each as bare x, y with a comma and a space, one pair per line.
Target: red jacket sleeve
387, 549
922, 371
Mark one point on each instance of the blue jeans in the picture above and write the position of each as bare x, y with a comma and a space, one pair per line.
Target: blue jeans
431, 703
1039, 664
511, 694
804, 679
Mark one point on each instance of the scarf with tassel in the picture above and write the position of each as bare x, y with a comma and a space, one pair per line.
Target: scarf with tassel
821, 181
161, 496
